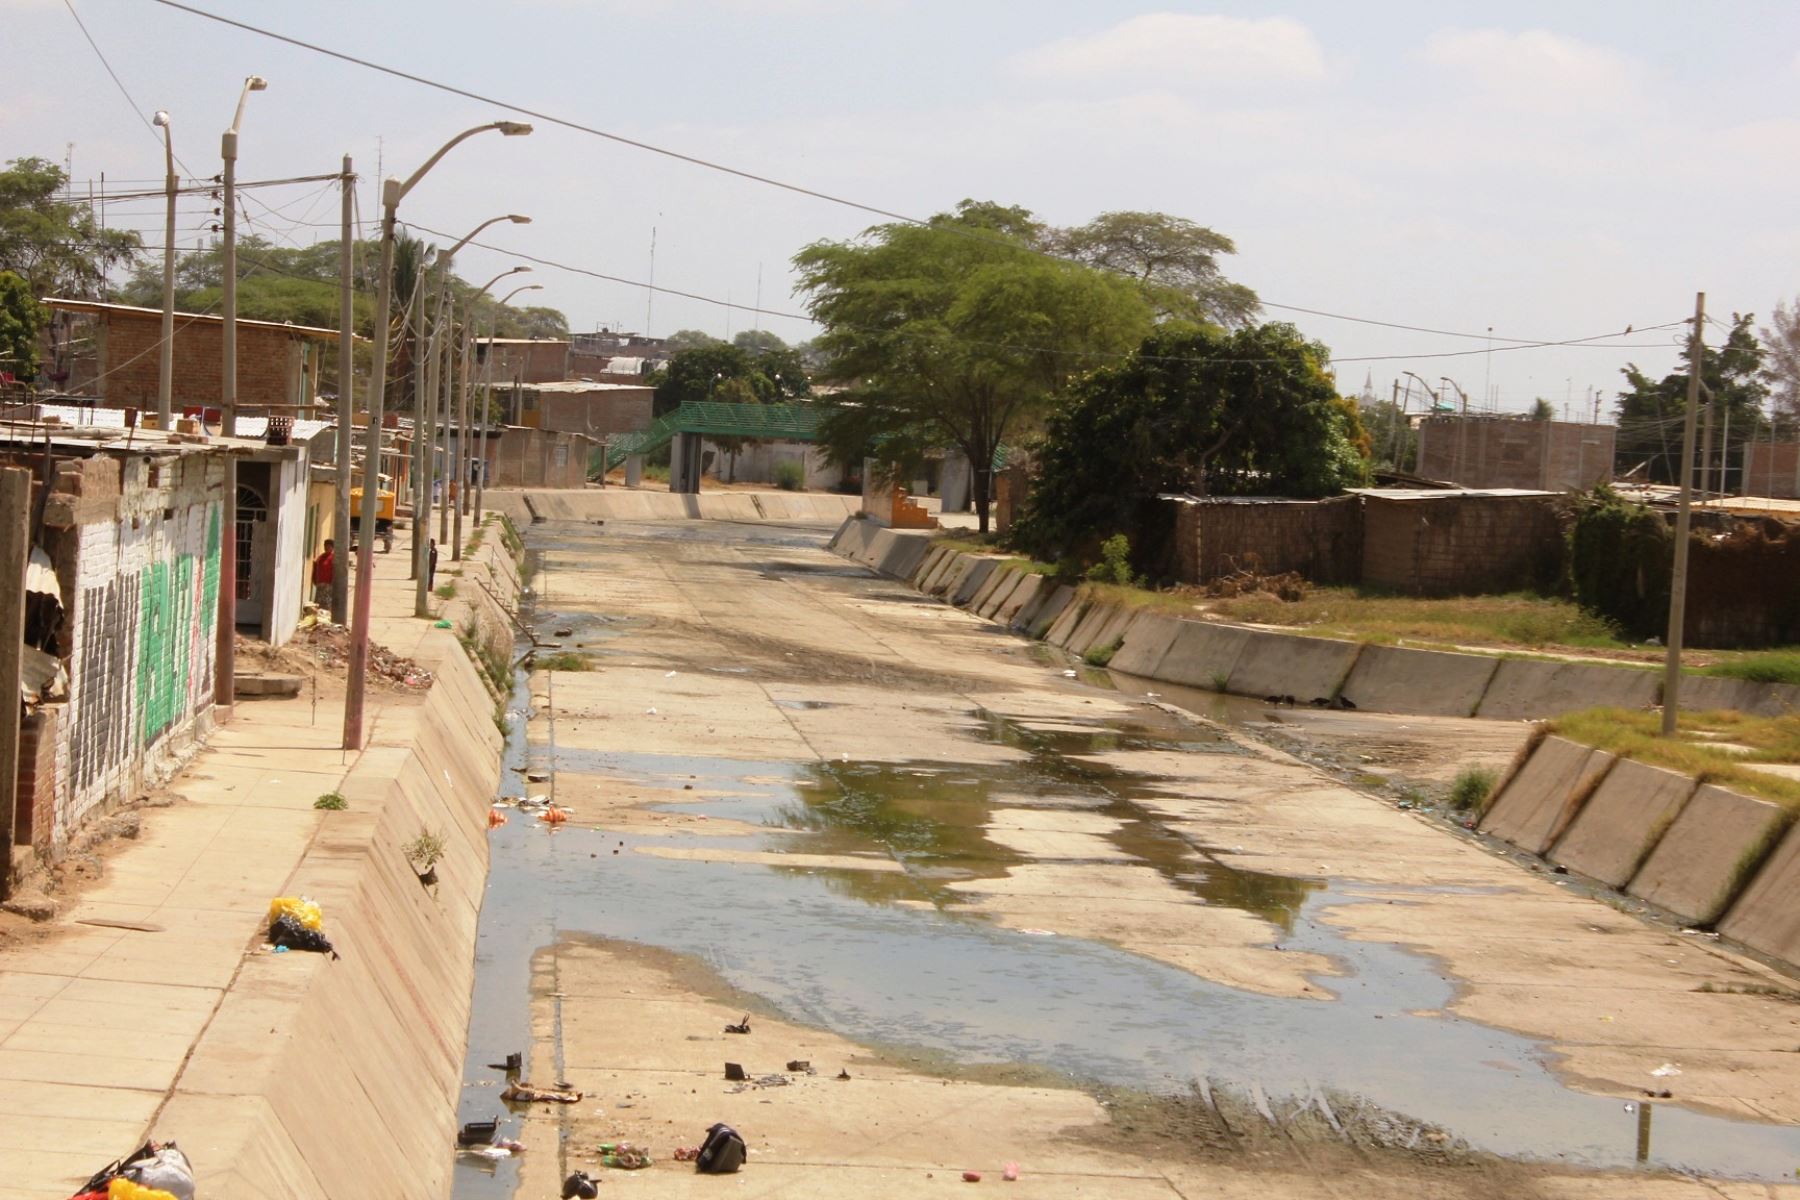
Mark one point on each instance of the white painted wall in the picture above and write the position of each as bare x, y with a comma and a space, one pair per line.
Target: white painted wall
288, 483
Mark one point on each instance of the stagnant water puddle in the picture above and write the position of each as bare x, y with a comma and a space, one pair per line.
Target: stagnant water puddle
856, 952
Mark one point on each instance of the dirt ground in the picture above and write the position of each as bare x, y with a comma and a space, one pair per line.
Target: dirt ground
1249, 852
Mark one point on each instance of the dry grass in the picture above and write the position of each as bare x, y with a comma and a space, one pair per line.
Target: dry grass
1696, 748
1509, 621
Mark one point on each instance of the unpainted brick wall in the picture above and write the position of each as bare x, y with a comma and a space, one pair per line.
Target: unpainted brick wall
1769, 470
268, 362
1459, 545
1505, 452
1321, 539
136, 548
1744, 588
596, 413
537, 459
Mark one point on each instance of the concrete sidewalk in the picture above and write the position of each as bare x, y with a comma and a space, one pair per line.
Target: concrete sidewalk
97, 1021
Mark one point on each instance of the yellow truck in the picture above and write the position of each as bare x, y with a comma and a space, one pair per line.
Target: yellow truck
384, 512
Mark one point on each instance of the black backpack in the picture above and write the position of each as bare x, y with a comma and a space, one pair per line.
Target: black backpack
722, 1153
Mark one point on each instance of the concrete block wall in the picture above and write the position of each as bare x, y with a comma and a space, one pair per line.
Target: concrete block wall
1463, 545
1321, 539
140, 577
1505, 452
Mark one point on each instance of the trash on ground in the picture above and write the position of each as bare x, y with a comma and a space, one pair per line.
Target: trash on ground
686, 1153
843, 1074
155, 1171
624, 1156
1666, 1069
735, 1072
515, 1062
440, 624
971, 1176
496, 818
302, 909
553, 816
124, 1189
295, 923
722, 1153
742, 1026
477, 1133
579, 1186
800, 1066
1010, 1173
523, 1092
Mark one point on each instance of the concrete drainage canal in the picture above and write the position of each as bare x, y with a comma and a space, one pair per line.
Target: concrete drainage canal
868, 935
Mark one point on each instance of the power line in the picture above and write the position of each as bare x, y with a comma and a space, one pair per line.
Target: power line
117, 82
797, 189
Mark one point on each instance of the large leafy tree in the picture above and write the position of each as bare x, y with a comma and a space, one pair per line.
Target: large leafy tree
729, 374
54, 243
21, 316
959, 332
1196, 410
1176, 262
1781, 365
1652, 411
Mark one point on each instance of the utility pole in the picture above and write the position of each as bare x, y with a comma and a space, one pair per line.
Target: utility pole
165, 367
446, 407
15, 552
1671, 689
420, 429
1706, 437
461, 501
346, 415
225, 648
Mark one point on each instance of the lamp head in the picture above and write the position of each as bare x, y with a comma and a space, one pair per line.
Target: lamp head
519, 271
518, 219
161, 120
512, 128
256, 83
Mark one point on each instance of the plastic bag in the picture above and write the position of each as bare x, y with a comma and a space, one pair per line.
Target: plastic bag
165, 1173
289, 933
124, 1189
305, 911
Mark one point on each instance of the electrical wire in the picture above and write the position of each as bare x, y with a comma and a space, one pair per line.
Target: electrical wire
119, 83
795, 188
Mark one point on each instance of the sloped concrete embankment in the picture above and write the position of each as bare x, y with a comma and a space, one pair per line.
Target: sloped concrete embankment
330, 1078
625, 504
1712, 857
1255, 662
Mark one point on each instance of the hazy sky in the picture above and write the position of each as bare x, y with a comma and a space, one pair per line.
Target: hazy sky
1548, 170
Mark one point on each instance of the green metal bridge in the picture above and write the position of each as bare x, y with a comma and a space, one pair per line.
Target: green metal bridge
713, 419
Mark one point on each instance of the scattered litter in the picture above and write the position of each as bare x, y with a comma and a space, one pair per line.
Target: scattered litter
1070, 674
735, 1072
477, 1133
651, 711
514, 1063
1039, 932
579, 1186
1666, 1070
1010, 1172
842, 1074
624, 1156
537, 776
553, 816
440, 624
668, 674
523, 1092
742, 1026
496, 818
494, 1152
800, 1066
686, 1153
975, 1176
509, 1144
722, 1153
295, 923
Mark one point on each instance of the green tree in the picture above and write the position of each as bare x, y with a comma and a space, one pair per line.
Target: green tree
690, 339
55, 244
1542, 410
1652, 411
1781, 366
21, 317
1393, 442
1621, 557
1193, 410
956, 333
1176, 262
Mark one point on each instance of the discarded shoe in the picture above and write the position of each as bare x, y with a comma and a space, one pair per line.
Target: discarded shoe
579, 1185
477, 1133
722, 1153
742, 1026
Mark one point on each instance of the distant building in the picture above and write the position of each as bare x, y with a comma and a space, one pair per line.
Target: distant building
614, 357
112, 351
1508, 452
521, 360
1772, 469
577, 406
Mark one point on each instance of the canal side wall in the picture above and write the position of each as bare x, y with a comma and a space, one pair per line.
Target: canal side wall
1709, 856
626, 504
1261, 663
325, 1077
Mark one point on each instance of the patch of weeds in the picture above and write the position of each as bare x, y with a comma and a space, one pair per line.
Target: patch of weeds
790, 476
501, 721
1099, 656
1749, 989
561, 660
1693, 751
331, 801
1220, 680
1768, 666
424, 851
446, 591
1471, 788
1115, 563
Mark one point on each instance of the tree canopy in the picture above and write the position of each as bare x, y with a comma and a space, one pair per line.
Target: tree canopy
1176, 262
54, 244
1202, 411
730, 374
1781, 365
958, 333
21, 316
1652, 411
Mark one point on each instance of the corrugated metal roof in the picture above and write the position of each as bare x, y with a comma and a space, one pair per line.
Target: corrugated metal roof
572, 386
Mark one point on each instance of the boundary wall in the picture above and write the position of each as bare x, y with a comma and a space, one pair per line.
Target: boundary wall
626, 504
317, 1076
1248, 661
1710, 856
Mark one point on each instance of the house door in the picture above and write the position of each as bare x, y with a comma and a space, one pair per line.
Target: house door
255, 545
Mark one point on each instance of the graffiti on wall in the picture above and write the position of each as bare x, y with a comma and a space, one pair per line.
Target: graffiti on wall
143, 659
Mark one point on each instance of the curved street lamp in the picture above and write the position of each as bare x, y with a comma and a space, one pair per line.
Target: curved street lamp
487, 391
392, 192
460, 503
165, 372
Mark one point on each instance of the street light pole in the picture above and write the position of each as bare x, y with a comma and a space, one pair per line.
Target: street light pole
346, 414
461, 456
392, 192
165, 369
487, 393
225, 649
1671, 689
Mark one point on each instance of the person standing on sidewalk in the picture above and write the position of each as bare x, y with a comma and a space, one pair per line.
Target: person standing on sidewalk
324, 571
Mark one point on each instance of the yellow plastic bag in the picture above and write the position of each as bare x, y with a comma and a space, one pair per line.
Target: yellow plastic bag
124, 1189
298, 907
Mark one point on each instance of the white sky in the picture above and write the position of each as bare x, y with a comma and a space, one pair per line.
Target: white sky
1549, 170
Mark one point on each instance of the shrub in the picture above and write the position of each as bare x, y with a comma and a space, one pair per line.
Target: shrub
446, 591
561, 660
1115, 562
1100, 656
790, 476
1471, 788
332, 801
1620, 558
424, 851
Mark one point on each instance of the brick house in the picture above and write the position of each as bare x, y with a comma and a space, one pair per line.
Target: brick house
577, 406
1507, 452
115, 354
509, 361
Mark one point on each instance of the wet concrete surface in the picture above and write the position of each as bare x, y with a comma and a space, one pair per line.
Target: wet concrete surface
895, 958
